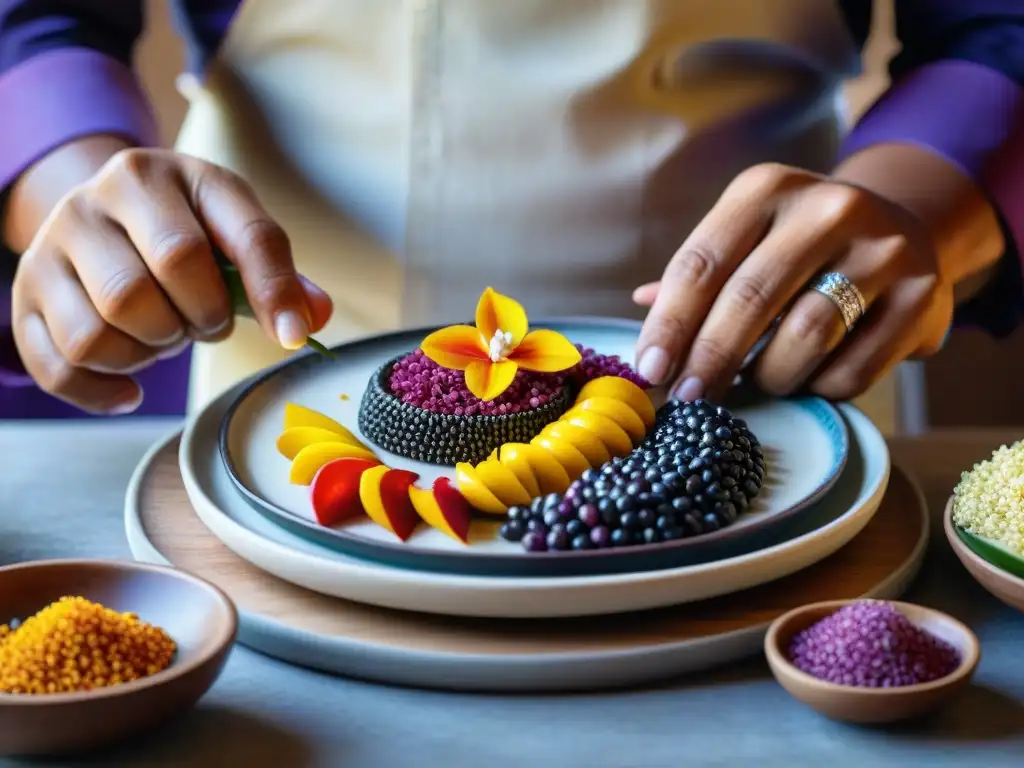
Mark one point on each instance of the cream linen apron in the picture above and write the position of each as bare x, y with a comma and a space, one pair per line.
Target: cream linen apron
417, 151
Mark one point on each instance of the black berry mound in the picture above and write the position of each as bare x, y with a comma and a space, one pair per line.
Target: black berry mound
696, 472
448, 438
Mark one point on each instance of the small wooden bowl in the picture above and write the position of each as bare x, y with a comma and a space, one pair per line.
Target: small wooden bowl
200, 618
870, 705
1000, 583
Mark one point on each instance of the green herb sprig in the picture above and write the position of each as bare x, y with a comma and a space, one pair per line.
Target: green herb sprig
240, 303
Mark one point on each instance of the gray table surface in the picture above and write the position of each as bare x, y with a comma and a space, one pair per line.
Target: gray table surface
61, 495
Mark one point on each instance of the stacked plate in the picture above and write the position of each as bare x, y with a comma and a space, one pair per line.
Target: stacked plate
828, 468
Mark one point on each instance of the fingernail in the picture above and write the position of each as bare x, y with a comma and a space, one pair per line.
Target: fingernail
129, 403
653, 365
208, 333
692, 388
291, 328
174, 350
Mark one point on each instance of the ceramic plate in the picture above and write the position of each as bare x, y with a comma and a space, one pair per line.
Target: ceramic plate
832, 523
805, 442
650, 652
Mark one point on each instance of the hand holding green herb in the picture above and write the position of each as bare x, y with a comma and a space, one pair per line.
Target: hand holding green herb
156, 250
241, 306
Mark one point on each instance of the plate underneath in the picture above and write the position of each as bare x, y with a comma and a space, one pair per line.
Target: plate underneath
333, 635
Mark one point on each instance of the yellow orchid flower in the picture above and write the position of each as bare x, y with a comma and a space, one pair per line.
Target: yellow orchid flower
501, 343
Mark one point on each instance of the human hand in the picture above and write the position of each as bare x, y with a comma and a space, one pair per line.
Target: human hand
755, 257
122, 273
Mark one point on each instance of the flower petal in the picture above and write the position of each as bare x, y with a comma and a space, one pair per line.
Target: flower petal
495, 311
488, 380
455, 347
546, 352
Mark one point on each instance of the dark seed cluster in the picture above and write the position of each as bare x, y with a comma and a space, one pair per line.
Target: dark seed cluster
696, 472
443, 438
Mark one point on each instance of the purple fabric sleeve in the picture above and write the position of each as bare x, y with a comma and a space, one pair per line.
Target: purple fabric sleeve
48, 101
957, 109
63, 95
973, 116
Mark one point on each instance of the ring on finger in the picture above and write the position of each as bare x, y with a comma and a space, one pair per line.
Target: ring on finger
846, 297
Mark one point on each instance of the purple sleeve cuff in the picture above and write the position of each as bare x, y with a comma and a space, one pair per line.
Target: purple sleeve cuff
972, 116
47, 101
63, 95
962, 111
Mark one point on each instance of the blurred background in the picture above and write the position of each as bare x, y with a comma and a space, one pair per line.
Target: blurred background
971, 383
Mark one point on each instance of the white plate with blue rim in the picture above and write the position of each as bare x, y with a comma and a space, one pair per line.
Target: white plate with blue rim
826, 527
805, 442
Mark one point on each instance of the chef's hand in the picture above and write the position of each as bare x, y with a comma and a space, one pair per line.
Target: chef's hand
122, 273
755, 257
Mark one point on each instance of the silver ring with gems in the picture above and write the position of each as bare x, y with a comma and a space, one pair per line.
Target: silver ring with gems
844, 294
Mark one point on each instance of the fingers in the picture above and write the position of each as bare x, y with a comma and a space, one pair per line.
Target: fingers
116, 279
320, 304
750, 301
81, 336
92, 392
243, 230
881, 340
149, 202
813, 327
645, 294
696, 274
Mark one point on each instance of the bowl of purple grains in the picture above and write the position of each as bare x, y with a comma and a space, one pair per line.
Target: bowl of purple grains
871, 661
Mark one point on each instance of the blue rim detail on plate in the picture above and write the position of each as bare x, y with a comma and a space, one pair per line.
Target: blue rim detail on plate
648, 557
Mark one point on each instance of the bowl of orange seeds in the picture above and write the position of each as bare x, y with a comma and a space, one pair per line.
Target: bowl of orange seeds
96, 651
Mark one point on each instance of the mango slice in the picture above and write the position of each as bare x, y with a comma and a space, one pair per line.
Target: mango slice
308, 461
299, 416
607, 431
384, 494
293, 440
541, 464
476, 492
503, 483
444, 508
583, 440
573, 462
513, 457
617, 411
622, 389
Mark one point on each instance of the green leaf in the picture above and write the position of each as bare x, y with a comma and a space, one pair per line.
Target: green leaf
316, 346
993, 552
241, 307
236, 290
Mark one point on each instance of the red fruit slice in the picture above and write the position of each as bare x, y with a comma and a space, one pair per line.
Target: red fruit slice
335, 490
384, 494
443, 508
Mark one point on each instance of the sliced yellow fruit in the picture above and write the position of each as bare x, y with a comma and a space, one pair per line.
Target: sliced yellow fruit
607, 431
476, 491
503, 483
548, 474
617, 411
573, 462
293, 440
427, 506
308, 461
301, 416
515, 458
370, 496
583, 440
622, 389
